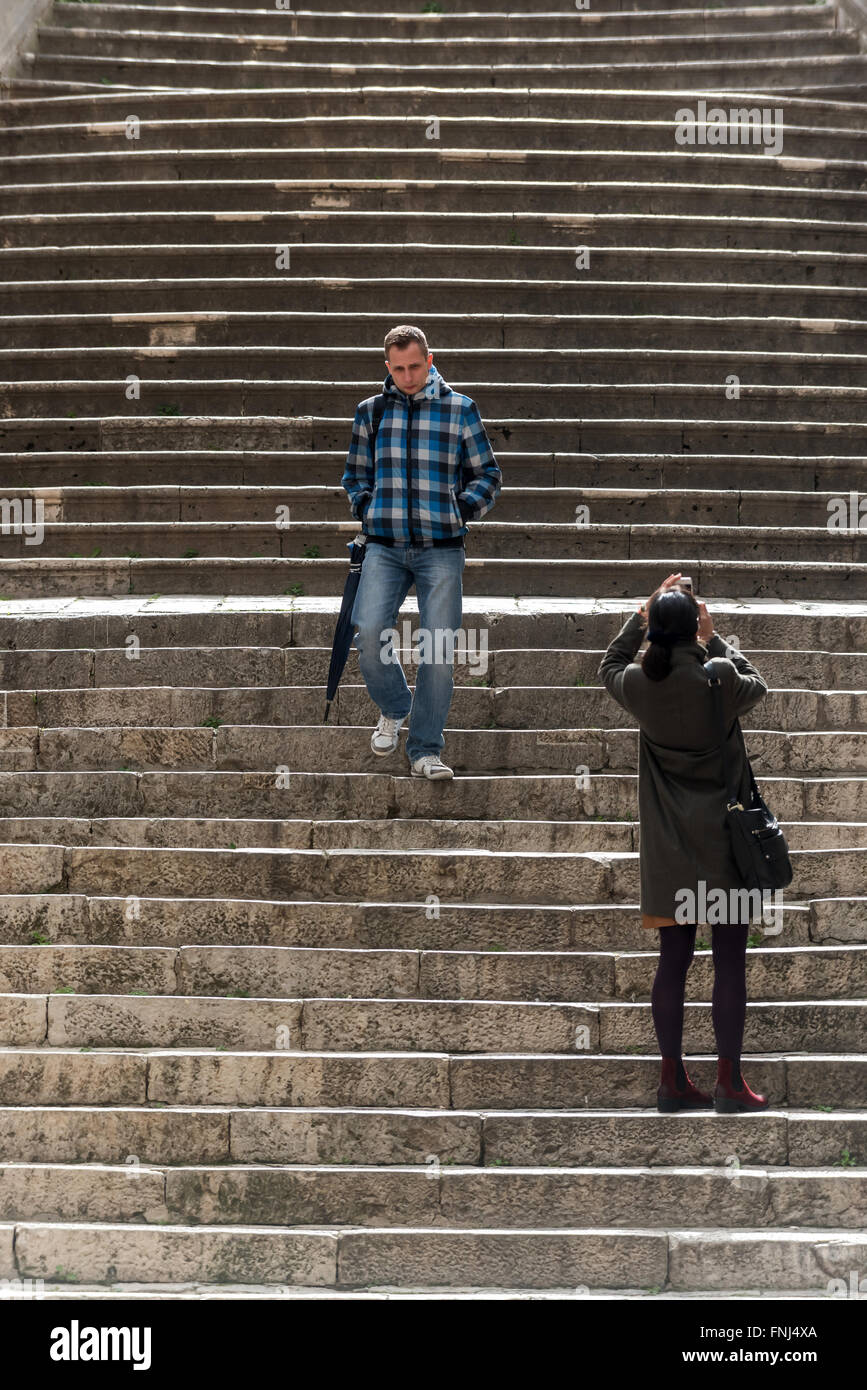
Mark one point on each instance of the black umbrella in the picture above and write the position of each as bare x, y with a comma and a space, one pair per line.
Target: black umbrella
344, 631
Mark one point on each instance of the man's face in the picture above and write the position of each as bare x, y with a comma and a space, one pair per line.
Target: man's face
409, 367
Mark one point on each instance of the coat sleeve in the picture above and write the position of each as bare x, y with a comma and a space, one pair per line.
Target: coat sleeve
744, 686
360, 470
481, 478
620, 653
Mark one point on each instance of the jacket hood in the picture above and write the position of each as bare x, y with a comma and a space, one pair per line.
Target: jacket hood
435, 386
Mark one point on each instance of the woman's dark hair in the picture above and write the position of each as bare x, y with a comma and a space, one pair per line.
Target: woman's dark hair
672, 617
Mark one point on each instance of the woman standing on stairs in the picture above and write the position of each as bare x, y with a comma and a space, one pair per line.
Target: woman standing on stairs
685, 842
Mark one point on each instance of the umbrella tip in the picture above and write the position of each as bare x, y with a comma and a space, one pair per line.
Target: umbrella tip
327, 709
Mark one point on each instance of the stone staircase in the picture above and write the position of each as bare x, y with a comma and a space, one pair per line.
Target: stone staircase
274, 1015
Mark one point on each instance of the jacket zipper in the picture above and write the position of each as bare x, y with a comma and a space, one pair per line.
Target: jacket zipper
409, 472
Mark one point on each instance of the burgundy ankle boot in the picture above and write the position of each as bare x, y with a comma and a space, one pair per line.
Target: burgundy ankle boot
732, 1094
671, 1096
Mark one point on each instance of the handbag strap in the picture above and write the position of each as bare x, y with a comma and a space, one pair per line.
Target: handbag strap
719, 721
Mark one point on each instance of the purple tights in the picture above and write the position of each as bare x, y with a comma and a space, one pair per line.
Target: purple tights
729, 998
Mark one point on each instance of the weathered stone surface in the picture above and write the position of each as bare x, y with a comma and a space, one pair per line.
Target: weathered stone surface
592, 1138
776, 1259
105, 1020
568, 1258
22, 1019
65, 1192
87, 969
53, 1076
290, 1078
7, 1250
134, 1253
264, 971
455, 1026
119, 1134
31, 868
292, 1196
370, 1136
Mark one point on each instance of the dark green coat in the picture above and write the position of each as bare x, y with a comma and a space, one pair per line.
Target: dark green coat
684, 836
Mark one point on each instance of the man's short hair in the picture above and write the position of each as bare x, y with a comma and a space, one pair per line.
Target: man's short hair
403, 335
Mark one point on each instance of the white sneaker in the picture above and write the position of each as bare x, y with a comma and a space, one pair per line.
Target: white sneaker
432, 766
383, 740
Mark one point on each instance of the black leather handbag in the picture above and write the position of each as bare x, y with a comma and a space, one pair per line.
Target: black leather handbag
758, 844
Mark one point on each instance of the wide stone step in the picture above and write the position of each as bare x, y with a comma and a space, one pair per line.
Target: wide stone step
255, 260
248, 833
591, 366
533, 540
54, 577
209, 1077
787, 66
499, 196
480, 7
826, 801
205, 831
571, 623
423, 1025
154, 49
561, 435
192, 475
481, 876
592, 296
792, 973
57, 577
789, 1139
272, 666
400, 1195
363, 131
576, 624
288, 26
34, 104
188, 1290
422, 161
675, 1259
316, 506
546, 405
583, 713
520, 332
643, 332
155, 228
263, 749
159, 921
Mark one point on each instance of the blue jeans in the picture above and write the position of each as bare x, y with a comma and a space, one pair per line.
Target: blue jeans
387, 574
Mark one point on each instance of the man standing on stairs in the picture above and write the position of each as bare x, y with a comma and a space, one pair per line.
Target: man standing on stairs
419, 467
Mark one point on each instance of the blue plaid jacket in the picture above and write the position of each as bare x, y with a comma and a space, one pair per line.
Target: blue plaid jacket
434, 468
